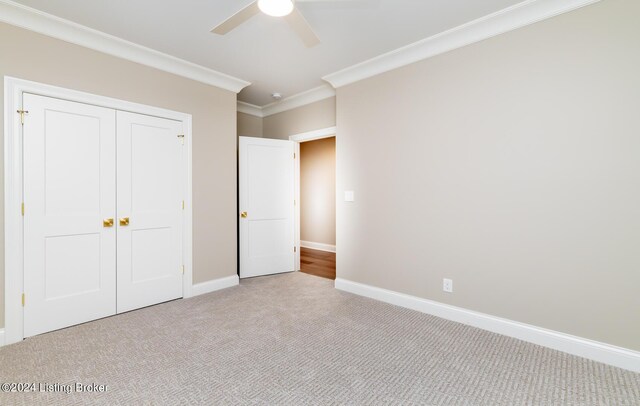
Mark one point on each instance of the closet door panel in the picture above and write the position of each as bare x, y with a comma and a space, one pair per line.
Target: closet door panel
150, 213
69, 195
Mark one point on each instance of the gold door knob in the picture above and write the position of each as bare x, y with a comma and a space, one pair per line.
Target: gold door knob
107, 223
124, 221
244, 214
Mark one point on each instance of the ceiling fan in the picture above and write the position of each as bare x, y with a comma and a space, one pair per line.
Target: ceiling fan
276, 8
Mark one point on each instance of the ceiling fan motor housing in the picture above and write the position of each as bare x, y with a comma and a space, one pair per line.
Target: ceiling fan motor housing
276, 8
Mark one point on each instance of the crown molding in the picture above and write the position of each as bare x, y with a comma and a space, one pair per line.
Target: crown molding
43, 23
289, 103
299, 100
508, 19
251, 109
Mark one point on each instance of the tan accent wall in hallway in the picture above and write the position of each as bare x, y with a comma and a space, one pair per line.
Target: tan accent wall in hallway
31, 56
314, 116
318, 191
510, 166
249, 126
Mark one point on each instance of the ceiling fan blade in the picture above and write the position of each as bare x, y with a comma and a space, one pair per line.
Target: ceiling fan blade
300, 25
237, 19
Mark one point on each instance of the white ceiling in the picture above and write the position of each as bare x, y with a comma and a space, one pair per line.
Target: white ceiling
264, 50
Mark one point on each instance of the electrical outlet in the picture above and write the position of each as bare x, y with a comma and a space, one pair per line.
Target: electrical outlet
447, 285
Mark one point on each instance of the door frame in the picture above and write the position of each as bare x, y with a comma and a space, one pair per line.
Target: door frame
13, 184
327, 132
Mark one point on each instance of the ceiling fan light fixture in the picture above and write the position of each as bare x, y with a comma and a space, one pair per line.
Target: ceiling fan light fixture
276, 8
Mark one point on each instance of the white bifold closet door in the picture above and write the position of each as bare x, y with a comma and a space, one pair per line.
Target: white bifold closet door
149, 210
103, 221
69, 191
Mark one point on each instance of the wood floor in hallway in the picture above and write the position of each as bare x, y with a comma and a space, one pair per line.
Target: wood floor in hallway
318, 263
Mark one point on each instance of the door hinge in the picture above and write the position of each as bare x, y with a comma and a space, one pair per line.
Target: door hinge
183, 205
295, 249
181, 136
23, 299
22, 113
22, 209
182, 269
294, 155
294, 202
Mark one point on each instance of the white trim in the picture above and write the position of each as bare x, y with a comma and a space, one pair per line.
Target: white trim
508, 19
251, 109
318, 246
13, 238
298, 138
582, 347
289, 103
56, 27
13, 90
314, 135
216, 284
297, 208
1, 337
187, 229
298, 100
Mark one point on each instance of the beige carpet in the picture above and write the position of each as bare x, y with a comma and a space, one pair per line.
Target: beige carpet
294, 340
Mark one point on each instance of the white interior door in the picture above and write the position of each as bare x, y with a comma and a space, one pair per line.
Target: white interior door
69, 191
149, 210
266, 171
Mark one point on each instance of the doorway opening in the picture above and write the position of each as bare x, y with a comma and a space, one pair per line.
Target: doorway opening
316, 210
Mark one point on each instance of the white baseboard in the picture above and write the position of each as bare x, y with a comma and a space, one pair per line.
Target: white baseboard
582, 347
216, 284
1, 337
318, 246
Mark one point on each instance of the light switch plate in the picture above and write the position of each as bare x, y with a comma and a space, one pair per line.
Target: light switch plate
349, 196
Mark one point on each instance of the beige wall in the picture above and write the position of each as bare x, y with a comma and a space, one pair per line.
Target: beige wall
249, 126
511, 166
314, 116
31, 56
318, 191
